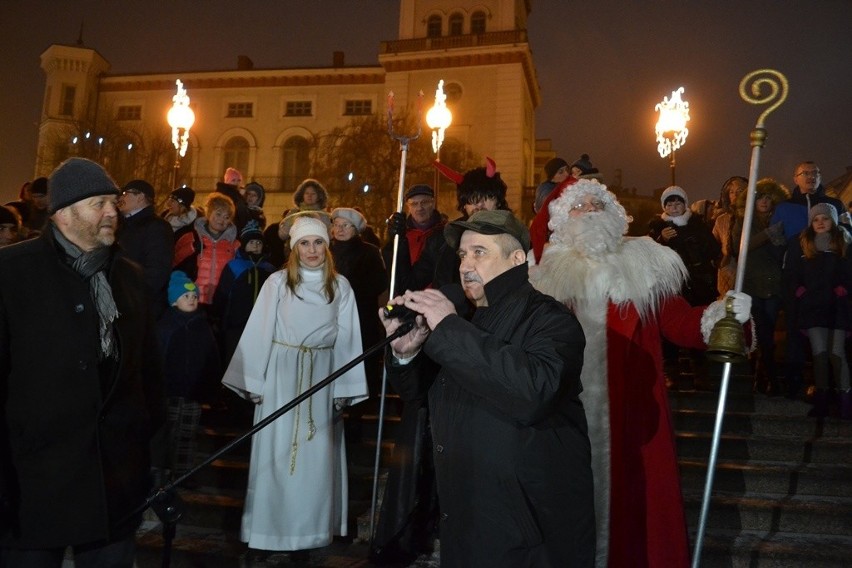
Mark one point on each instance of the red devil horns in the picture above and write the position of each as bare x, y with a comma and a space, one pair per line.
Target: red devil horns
456, 177
490, 167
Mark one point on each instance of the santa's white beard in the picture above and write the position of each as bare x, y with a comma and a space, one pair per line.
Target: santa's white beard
591, 234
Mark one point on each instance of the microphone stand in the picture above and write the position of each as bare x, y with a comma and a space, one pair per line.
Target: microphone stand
168, 505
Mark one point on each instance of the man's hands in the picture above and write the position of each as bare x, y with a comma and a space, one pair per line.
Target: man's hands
432, 306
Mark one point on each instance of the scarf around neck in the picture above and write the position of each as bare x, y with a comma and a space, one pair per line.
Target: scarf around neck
91, 266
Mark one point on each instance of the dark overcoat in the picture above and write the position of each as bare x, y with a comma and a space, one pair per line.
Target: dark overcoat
510, 440
74, 432
150, 241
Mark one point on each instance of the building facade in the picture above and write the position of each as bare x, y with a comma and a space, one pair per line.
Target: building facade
265, 122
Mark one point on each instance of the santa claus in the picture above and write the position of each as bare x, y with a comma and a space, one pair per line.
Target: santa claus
626, 294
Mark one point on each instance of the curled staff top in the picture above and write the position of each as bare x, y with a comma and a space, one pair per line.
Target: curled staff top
752, 88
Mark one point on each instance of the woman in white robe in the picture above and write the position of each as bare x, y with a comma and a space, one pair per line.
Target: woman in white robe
294, 338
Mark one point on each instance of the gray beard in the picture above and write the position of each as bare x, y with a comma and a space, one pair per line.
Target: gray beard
591, 235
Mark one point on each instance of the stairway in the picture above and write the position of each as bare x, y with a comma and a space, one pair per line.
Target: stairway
782, 492
208, 532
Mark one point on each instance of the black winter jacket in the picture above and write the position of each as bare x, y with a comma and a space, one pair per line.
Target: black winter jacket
510, 439
74, 432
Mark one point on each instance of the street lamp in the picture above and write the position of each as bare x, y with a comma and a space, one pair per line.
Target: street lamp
671, 126
438, 119
180, 118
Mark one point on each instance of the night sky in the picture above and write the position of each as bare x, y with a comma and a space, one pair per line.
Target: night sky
602, 66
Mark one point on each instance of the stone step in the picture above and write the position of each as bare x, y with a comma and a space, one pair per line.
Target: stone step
708, 401
768, 477
696, 446
196, 546
803, 514
762, 424
772, 549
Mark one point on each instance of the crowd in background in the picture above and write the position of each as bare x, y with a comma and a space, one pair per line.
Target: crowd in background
206, 268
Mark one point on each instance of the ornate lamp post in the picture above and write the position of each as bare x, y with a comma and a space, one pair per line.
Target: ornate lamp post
180, 118
671, 126
438, 118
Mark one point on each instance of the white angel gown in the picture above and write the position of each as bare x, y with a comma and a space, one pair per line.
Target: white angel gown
297, 489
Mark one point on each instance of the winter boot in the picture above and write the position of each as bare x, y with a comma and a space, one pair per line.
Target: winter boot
846, 405
820, 401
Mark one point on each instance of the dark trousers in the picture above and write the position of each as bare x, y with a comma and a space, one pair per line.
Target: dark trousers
118, 554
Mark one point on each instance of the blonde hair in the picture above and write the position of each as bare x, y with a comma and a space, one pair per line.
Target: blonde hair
328, 272
217, 201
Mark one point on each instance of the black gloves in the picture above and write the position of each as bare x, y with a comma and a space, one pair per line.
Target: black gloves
396, 225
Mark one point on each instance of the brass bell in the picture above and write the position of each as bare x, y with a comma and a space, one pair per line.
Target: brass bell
727, 341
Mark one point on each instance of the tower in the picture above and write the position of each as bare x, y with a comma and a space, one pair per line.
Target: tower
480, 50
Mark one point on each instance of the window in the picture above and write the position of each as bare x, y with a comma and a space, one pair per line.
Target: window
477, 23
433, 26
299, 108
236, 154
129, 113
66, 108
240, 110
456, 24
453, 91
358, 107
295, 165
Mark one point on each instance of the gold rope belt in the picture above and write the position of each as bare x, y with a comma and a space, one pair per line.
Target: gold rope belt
305, 352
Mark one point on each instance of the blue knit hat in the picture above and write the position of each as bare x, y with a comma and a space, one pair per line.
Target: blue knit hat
180, 284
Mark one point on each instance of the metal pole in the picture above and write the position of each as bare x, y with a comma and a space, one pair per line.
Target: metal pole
758, 137
403, 144
672, 166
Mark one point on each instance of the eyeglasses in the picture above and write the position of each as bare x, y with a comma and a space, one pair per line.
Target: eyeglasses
176, 199
808, 173
131, 192
342, 225
594, 205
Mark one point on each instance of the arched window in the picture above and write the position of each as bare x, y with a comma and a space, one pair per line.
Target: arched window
236, 154
295, 164
433, 26
477, 22
456, 24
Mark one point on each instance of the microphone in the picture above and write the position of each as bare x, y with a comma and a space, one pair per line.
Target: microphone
454, 293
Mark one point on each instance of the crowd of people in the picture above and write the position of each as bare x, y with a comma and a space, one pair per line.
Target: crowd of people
535, 427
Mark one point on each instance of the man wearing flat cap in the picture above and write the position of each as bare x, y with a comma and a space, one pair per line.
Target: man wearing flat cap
80, 383
510, 444
423, 220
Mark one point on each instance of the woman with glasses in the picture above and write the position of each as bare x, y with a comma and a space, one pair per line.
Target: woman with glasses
361, 263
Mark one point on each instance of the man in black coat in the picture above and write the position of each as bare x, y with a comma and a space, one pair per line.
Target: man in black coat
147, 239
80, 383
509, 432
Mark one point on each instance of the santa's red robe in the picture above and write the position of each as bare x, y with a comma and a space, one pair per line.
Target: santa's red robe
647, 524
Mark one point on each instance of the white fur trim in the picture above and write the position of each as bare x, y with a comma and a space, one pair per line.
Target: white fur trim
714, 312
595, 399
639, 272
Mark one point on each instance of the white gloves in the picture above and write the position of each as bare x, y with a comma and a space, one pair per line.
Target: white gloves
741, 305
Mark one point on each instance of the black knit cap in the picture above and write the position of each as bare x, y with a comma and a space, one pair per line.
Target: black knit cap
8, 217
39, 186
554, 165
76, 179
183, 195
